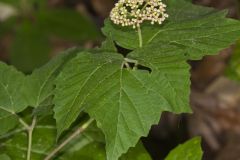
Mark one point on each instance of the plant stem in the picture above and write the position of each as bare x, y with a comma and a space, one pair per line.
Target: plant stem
30, 133
70, 138
140, 36
26, 126
12, 133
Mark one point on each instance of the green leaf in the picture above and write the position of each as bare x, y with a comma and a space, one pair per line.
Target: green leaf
12, 99
86, 153
108, 45
136, 153
233, 68
44, 109
4, 157
194, 33
181, 10
67, 24
8, 121
93, 132
90, 151
92, 142
190, 150
170, 73
30, 48
82, 147
43, 141
124, 102
17, 92
40, 83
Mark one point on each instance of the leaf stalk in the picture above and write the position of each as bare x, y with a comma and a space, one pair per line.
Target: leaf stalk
140, 36
69, 139
30, 133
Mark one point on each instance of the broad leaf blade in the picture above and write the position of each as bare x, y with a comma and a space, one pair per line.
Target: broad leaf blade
108, 45
190, 150
170, 74
81, 147
181, 10
43, 141
204, 36
11, 88
8, 121
119, 98
86, 152
40, 83
12, 99
72, 85
136, 153
194, 33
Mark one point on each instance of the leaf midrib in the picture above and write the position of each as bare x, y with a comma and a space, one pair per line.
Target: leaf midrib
9, 95
78, 93
43, 85
205, 36
191, 27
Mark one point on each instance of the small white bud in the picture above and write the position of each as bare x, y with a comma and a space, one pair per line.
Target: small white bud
135, 12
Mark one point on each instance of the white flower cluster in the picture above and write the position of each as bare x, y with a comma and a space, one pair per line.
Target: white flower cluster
135, 12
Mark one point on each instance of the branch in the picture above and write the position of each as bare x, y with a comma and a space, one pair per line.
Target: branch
70, 138
26, 126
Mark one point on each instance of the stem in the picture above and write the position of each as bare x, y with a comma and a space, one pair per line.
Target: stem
12, 133
70, 138
30, 133
145, 5
26, 126
130, 60
127, 65
135, 62
140, 36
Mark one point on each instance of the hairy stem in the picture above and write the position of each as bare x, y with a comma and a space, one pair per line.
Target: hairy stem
69, 139
140, 36
30, 133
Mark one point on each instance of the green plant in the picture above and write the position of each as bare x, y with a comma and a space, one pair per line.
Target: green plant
125, 93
